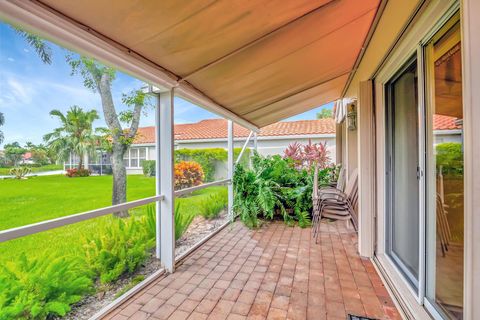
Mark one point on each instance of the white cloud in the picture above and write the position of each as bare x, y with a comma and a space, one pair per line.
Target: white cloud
10, 59
16, 92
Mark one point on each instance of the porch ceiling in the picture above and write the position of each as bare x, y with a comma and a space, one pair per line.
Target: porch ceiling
262, 60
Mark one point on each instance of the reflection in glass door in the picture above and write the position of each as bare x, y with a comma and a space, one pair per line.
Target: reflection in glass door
445, 171
402, 237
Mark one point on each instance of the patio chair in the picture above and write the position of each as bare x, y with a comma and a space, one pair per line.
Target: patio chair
338, 185
336, 204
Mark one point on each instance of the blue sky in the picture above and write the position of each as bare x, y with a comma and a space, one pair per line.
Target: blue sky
29, 89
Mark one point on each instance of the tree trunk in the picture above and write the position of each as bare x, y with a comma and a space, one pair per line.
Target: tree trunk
119, 191
80, 162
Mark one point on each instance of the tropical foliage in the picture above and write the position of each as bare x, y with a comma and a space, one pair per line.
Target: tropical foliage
213, 205
123, 245
148, 167
72, 173
20, 172
208, 158
42, 287
308, 156
187, 174
75, 135
282, 187
325, 113
450, 158
13, 153
183, 219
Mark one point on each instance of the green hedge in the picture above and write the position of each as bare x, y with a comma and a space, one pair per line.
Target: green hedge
207, 158
450, 157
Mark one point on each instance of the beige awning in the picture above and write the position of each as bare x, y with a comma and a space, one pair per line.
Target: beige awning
262, 60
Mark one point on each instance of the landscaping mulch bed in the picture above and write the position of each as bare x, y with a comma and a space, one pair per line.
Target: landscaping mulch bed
198, 230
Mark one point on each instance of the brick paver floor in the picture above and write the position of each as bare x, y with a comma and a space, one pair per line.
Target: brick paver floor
275, 272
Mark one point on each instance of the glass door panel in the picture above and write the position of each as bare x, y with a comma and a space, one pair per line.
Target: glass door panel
402, 241
445, 171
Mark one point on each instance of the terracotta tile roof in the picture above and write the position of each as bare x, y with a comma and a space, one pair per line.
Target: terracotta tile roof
441, 122
217, 129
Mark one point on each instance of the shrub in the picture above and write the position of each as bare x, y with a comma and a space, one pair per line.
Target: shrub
450, 157
274, 186
182, 221
20, 172
75, 172
148, 167
41, 288
213, 205
188, 174
121, 248
208, 158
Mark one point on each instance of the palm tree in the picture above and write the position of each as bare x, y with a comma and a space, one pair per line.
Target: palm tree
43, 50
75, 135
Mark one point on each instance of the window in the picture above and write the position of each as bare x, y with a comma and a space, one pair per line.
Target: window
142, 155
134, 157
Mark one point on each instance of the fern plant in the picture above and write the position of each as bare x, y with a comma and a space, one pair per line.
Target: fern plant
124, 245
42, 287
274, 186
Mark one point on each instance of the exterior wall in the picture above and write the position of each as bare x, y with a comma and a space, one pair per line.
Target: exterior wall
448, 136
266, 147
393, 24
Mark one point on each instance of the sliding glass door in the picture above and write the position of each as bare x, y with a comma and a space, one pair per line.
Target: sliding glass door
402, 163
445, 188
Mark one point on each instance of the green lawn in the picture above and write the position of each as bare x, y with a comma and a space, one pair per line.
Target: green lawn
49, 167
37, 199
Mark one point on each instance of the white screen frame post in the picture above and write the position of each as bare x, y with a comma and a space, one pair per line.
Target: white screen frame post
230, 168
165, 136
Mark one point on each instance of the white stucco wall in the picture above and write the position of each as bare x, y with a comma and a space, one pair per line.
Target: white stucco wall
266, 146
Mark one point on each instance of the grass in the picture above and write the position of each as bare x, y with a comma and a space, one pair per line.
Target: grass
42, 198
49, 167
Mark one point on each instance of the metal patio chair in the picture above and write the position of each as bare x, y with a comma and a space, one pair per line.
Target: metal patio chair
335, 204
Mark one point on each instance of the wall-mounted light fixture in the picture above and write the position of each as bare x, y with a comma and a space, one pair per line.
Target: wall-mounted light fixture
352, 116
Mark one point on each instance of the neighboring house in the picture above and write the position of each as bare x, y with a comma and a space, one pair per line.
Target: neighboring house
447, 129
212, 133
27, 158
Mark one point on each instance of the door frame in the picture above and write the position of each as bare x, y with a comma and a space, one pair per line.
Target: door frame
431, 19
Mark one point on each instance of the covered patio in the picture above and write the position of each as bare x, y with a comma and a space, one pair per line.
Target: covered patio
275, 272
256, 63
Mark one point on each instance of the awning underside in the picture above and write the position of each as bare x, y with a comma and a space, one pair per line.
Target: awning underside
262, 60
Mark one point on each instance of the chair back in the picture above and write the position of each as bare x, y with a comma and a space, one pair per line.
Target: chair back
352, 184
341, 179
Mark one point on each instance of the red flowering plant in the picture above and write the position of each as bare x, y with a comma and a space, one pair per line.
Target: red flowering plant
294, 152
188, 174
314, 155
75, 172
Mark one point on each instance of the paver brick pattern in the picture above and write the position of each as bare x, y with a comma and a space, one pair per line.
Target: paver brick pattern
275, 272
